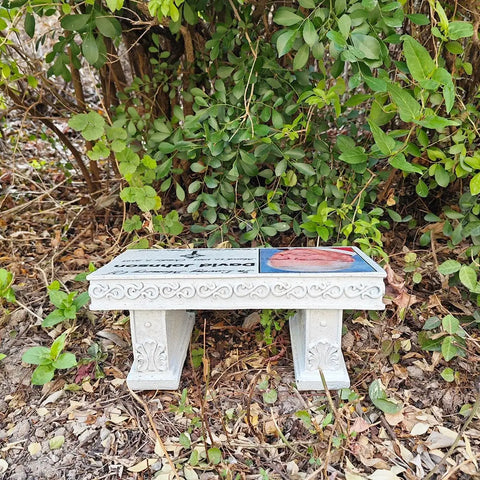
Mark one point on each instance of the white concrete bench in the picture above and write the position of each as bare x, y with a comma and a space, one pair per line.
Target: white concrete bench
159, 286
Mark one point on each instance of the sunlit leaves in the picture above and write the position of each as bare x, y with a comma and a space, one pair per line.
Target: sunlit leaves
408, 108
91, 125
418, 59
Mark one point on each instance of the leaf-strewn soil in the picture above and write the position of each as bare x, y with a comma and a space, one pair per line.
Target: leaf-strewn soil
239, 401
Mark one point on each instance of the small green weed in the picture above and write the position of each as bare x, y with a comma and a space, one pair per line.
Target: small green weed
49, 360
6, 290
68, 304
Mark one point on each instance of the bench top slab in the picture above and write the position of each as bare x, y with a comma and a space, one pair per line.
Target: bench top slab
235, 262
245, 278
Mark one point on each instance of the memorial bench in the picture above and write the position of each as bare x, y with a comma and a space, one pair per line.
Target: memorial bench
160, 286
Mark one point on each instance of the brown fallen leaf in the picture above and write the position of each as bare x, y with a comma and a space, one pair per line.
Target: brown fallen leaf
360, 425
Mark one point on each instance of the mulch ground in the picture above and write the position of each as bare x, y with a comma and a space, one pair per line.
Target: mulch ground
237, 413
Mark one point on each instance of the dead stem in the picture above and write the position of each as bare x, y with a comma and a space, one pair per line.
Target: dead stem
154, 428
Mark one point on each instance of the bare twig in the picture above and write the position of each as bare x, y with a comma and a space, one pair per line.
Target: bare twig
154, 428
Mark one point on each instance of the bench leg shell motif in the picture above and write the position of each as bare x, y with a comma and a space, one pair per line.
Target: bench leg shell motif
160, 340
316, 337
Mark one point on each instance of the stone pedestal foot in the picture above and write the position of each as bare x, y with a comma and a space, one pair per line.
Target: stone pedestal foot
316, 337
160, 340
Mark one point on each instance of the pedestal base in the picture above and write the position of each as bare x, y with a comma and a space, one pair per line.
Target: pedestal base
316, 344
160, 343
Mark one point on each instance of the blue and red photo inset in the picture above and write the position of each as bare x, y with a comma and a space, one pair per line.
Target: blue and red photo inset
312, 260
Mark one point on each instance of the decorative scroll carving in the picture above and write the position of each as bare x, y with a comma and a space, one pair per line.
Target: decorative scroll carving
214, 290
225, 290
151, 356
363, 291
324, 355
251, 290
325, 290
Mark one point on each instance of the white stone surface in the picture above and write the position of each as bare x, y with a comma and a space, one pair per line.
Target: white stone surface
160, 341
316, 337
158, 286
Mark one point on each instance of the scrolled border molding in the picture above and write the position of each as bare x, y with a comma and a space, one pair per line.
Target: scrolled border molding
363, 291
226, 290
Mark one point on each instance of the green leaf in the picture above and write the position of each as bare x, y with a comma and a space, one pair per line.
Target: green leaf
458, 30
421, 189
408, 108
214, 455
436, 122
468, 276
189, 14
418, 18
37, 356
57, 297
57, 346
131, 224
53, 318
344, 23
56, 442
448, 374
180, 192
307, 3
42, 374
301, 57
442, 177
419, 61
146, 198
75, 22
337, 38
2, 356
29, 24
449, 266
304, 168
184, 440
376, 84
64, 361
92, 125
399, 161
286, 17
309, 33
369, 46
379, 398
90, 49
385, 143
270, 396
108, 26
81, 300
475, 184
449, 349
285, 41
114, 5
354, 156
450, 324
78, 122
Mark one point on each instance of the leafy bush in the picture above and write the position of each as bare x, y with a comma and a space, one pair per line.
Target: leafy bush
325, 119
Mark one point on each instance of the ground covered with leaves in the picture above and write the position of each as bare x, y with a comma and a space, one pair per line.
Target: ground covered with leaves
237, 413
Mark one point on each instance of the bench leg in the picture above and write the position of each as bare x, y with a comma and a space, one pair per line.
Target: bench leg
160, 340
316, 337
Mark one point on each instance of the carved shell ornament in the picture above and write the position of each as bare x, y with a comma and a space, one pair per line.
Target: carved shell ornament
323, 355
